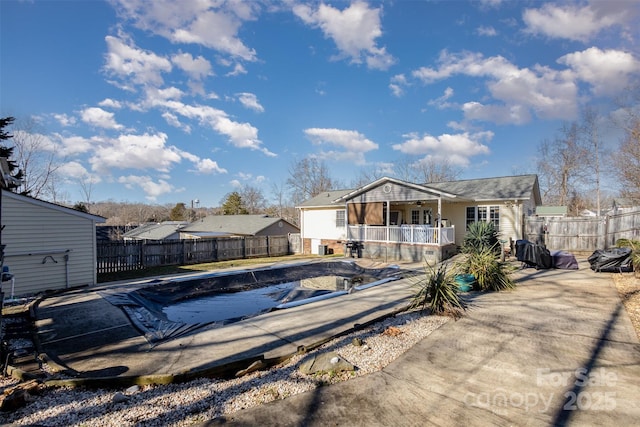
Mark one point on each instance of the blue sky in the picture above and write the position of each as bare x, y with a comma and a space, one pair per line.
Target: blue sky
169, 101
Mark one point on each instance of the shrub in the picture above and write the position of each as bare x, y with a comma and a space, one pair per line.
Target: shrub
490, 273
634, 245
480, 235
438, 292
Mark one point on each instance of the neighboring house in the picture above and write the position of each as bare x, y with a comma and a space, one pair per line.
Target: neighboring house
167, 230
400, 220
237, 225
552, 211
48, 246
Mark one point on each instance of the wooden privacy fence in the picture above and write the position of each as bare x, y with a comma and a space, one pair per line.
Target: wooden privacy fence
583, 234
117, 256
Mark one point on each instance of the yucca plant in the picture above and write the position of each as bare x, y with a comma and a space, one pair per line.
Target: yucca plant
634, 245
491, 274
438, 292
480, 235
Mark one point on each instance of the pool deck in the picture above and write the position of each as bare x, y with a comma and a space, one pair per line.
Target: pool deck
83, 333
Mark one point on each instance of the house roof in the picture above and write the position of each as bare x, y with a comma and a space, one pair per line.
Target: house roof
551, 210
155, 231
54, 206
500, 188
432, 192
326, 198
244, 225
518, 187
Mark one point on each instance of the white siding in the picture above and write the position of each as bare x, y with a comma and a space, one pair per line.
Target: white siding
321, 224
35, 235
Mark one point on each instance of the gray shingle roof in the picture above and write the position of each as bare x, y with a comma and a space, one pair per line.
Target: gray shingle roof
155, 231
500, 188
247, 225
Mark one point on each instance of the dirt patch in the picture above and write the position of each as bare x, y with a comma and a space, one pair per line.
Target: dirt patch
628, 286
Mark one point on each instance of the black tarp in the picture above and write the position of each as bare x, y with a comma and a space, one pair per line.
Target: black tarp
533, 255
564, 260
144, 304
616, 260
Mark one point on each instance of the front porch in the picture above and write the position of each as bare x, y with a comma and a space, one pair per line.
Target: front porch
409, 234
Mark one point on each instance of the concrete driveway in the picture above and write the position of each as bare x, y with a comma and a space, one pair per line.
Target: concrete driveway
560, 350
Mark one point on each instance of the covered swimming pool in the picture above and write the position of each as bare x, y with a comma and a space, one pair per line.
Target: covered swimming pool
166, 309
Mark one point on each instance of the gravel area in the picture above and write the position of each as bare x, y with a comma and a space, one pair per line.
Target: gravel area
200, 400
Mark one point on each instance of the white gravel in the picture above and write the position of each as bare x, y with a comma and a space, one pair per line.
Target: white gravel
201, 400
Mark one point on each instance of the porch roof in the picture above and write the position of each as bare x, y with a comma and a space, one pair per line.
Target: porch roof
426, 192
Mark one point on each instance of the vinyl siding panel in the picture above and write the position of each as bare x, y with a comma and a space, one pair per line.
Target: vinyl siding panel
321, 224
37, 238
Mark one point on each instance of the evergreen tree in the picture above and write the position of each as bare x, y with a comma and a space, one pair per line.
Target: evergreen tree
234, 205
7, 152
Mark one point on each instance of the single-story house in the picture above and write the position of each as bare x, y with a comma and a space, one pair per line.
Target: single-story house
167, 230
237, 225
552, 211
48, 246
399, 220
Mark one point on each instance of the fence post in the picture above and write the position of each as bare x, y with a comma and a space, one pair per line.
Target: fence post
142, 253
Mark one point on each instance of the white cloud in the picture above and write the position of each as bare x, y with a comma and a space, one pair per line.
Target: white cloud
350, 140
542, 91
110, 103
241, 135
456, 149
250, 101
76, 171
608, 71
98, 117
73, 145
442, 102
174, 121
397, 85
65, 120
237, 70
134, 66
574, 22
152, 189
208, 167
354, 144
486, 31
147, 151
197, 68
354, 31
211, 24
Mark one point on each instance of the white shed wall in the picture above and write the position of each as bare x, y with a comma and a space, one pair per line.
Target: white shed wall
35, 236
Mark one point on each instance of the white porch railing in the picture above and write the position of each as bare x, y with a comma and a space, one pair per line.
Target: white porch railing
423, 234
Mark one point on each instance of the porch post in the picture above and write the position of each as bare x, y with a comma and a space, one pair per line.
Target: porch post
439, 234
388, 219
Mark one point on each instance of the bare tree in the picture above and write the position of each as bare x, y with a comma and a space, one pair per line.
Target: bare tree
627, 158
591, 120
430, 170
627, 161
253, 199
308, 178
562, 166
36, 157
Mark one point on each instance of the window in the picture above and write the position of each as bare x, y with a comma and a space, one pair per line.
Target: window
340, 218
484, 213
415, 217
494, 216
426, 216
471, 215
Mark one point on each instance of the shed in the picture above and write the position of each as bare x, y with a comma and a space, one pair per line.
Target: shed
48, 246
